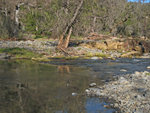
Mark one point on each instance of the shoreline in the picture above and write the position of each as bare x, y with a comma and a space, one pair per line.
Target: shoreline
79, 49
131, 92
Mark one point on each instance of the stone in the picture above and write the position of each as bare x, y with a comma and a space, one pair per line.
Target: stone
123, 70
122, 80
93, 92
92, 84
74, 94
87, 91
94, 58
137, 73
116, 105
148, 67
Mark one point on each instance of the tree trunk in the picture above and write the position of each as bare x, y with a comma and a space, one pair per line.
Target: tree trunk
63, 40
94, 24
17, 13
66, 43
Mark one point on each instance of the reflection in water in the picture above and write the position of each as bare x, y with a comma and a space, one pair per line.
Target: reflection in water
107, 67
63, 69
28, 87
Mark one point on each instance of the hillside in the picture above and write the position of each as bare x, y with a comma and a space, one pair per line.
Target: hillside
49, 18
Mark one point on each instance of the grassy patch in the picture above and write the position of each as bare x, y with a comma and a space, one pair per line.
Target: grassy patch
77, 37
66, 57
72, 57
19, 53
101, 55
148, 74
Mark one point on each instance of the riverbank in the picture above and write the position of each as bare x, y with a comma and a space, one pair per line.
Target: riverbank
90, 49
49, 48
131, 92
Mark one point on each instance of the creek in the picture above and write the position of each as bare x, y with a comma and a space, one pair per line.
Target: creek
58, 86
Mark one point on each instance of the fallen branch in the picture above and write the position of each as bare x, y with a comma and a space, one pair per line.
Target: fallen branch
63, 50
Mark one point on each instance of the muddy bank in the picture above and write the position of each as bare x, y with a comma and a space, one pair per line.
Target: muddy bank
131, 92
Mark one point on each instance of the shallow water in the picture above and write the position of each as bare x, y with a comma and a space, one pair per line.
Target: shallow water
29, 87
107, 67
58, 87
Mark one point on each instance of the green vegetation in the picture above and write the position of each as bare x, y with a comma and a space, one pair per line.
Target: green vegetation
50, 18
100, 55
148, 74
20, 53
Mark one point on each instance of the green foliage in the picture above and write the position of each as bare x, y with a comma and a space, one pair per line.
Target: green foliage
129, 22
7, 27
49, 18
30, 22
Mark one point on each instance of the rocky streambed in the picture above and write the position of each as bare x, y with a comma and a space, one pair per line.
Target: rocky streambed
131, 92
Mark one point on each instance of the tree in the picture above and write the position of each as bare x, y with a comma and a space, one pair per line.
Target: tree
68, 30
58, 18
